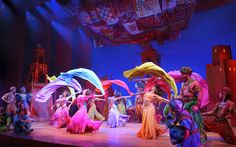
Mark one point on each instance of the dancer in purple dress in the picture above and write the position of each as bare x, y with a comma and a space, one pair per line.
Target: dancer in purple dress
115, 118
80, 122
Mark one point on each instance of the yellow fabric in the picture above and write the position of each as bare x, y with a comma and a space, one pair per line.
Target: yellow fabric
151, 68
94, 114
121, 108
149, 128
52, 78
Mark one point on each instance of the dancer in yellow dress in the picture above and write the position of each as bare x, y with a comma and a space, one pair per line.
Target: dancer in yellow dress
150, 129
93, 113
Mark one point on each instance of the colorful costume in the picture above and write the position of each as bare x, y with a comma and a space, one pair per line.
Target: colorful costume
93, 113
10, 98
64, 118
25, 98
54, 121
80, 122
186, 134
138, 107
150, 128
189, 93
216, 120
121, 107
22, 123
115, 118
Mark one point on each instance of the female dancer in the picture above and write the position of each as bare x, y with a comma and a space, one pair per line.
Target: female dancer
121, 106
139, 100
80, 122
64, 119
56, 115
150, 128
115, 118
92, 112
61, 116
217, 120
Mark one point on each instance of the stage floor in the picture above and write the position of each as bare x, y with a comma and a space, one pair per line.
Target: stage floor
121, 136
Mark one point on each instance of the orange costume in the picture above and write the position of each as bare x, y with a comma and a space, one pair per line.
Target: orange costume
150, 128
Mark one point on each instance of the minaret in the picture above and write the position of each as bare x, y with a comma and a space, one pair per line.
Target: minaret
150, 54
39, 68
36, 81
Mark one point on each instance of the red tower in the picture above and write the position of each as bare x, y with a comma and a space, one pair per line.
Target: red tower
150, 54
222, 72
37, 80
38, 69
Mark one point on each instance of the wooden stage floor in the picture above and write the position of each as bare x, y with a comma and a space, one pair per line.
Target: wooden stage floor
112, 137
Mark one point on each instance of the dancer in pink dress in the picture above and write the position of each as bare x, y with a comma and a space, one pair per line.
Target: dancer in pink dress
61, 116
80, 122
56, 108
64, 119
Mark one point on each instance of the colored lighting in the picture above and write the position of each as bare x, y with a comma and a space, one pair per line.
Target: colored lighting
65, 32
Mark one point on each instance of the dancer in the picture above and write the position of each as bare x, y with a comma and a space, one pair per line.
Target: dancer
80, 122
217, 120
186, 133
61, 116
191, 96
92, 112
139, 101
157, 90
25, 98
121, 106
9, 98
115, 118
150, 128
56, 108
64, 118
22, 122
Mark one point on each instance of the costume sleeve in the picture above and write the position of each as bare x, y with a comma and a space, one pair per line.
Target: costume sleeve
213, 111
232, 108
197, 91
186, 123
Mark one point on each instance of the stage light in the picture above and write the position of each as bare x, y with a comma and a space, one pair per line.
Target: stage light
83, 36
57, 10
2, 5
5, 11
65, 32
32, 22
44, 13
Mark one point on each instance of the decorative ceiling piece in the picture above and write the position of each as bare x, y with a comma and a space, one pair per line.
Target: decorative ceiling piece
114, 22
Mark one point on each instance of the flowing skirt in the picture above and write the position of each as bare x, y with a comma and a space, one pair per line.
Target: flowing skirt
149, 128
60, 118
94, 114
192, 141
222, 127
80, 122
116, 119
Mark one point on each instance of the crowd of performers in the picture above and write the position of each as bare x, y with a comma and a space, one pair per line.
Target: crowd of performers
181, 114
15, 112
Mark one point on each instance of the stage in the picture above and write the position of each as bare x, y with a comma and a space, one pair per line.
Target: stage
45, 135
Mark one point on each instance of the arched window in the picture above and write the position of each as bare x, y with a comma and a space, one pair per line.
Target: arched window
40, 60
42, 78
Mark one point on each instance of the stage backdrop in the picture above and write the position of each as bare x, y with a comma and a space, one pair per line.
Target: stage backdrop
193, 48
